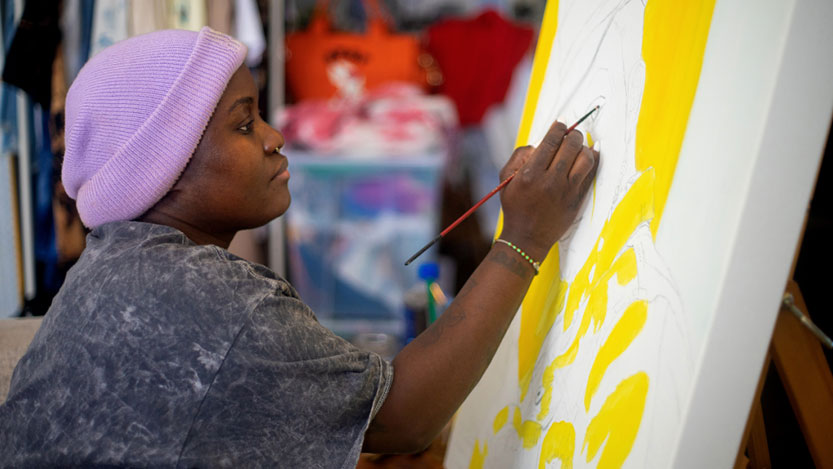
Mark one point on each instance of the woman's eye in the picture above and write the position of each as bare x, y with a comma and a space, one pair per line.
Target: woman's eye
247, 127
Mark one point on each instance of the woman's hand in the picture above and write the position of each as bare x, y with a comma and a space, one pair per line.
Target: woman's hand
541, 202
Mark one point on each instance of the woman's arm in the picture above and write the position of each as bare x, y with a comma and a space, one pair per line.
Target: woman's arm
437, 370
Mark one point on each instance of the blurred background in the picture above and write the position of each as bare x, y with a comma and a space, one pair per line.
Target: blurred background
398, 115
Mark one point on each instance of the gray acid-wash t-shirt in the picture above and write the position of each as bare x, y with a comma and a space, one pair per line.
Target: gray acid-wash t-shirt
159, 352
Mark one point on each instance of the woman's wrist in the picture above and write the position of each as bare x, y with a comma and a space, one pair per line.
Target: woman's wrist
535, 250
523, 256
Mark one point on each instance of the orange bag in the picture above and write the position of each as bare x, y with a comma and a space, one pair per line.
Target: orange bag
322, 64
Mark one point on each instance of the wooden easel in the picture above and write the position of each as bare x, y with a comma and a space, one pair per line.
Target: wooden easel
803, 369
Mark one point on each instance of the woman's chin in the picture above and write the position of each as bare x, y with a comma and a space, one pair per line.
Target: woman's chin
280, 208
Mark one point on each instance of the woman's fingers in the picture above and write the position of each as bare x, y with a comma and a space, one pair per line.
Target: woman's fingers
519, 157
582, 166
583, 176
567, 153
546, 150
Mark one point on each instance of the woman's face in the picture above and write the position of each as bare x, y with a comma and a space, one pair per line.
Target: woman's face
236, 179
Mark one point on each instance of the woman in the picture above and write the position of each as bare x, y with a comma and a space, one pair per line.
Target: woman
163, 349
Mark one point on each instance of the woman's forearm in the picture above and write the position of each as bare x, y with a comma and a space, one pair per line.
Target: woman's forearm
437, 370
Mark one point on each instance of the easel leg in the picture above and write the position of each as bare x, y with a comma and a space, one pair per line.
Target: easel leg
807, 380
742, 461
758, 447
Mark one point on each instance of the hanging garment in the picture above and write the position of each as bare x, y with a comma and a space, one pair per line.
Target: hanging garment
220, 15
8, 93
11, 298
248, 29
28, 63
49, 279
147, 16
76, 40
69, 231
109, 24
87, 17
477, 57
56, 107
186, 14
71, 38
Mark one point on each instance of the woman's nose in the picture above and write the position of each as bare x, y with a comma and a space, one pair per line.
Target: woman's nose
273, 141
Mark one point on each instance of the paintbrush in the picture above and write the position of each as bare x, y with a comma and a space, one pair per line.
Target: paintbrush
487, 197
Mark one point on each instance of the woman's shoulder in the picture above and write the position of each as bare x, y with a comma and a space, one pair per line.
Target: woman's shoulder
162, 253
159, 273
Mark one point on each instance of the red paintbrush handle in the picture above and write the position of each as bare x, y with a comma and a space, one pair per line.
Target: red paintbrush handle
478, 204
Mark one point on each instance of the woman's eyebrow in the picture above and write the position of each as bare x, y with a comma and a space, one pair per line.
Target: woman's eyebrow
245, 100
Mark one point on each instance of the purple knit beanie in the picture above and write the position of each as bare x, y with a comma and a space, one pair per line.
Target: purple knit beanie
135, 114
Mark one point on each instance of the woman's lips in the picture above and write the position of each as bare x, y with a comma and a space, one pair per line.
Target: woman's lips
283, 170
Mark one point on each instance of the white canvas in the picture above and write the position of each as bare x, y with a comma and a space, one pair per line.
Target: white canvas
683, 270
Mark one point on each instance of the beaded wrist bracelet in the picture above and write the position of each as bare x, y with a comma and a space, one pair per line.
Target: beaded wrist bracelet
535, 264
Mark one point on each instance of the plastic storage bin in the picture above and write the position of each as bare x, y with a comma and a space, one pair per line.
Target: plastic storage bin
351, 225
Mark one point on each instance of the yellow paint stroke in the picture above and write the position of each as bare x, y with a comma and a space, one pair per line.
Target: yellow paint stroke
625, 270
620, 338
478, 456
635, 208
559, 443
673, 43
617, 423
500, 419
546, 38
543, 303
540, 308
625, 267
546, 384
528, 430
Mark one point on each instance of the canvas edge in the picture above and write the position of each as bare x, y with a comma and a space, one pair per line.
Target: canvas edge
797, 124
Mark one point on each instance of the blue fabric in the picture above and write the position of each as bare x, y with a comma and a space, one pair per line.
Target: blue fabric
8, 93
42, 166
43, 184
87, 10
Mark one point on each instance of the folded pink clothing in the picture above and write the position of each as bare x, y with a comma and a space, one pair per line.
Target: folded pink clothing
393, 120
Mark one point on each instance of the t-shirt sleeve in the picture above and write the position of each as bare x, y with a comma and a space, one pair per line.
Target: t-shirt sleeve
289, 392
